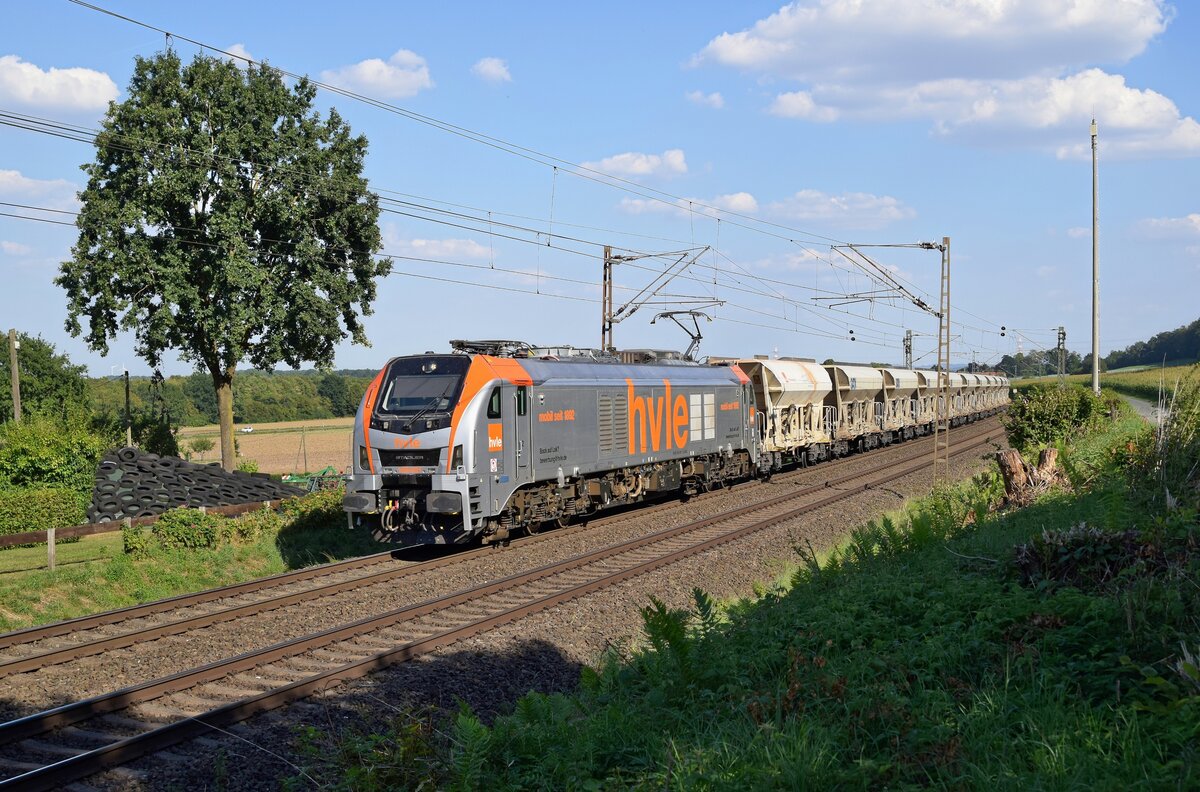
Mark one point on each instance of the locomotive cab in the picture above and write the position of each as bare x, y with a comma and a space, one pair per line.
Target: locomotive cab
402, 454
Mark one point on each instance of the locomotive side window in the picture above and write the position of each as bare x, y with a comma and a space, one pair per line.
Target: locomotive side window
522, 400
493, 408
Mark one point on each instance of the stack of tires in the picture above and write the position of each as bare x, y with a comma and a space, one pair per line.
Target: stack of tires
130, 483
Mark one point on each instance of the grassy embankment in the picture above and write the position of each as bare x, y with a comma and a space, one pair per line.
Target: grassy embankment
951, 645
98, 574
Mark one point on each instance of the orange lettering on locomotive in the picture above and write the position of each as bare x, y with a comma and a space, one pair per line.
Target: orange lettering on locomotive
656, 422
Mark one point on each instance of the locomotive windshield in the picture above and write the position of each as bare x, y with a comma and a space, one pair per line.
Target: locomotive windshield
422, 385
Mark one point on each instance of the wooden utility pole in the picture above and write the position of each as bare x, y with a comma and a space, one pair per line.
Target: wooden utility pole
606, 293
128, 415
15, 367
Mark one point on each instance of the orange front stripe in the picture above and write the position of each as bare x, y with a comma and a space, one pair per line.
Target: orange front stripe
369, 410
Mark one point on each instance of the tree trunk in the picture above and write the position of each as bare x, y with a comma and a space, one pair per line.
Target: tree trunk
1047, 461
1012, 467
223, 383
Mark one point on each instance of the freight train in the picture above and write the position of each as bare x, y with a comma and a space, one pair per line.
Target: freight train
499, 437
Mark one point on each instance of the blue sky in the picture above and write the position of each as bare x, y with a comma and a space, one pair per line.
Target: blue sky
755, 135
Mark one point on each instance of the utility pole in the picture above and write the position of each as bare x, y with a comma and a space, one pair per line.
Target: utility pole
908, 349
15, 370
1095, 269
941, 426
606, 294
1062, 353
128, 416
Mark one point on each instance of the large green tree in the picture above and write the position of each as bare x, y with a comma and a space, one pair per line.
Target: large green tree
226, 220
50, 382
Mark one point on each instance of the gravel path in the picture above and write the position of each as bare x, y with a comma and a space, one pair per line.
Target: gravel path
542, 652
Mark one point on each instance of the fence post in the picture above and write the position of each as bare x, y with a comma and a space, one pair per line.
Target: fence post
50, 554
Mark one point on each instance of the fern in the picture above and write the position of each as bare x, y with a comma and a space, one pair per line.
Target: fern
470, 752
706, 611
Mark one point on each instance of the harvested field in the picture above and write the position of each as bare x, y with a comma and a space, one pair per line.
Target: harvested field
283, 447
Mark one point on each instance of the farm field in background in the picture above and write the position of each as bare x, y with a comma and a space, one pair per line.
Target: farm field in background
1139, 381
283, 447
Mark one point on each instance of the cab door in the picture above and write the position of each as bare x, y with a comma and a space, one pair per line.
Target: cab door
521, 430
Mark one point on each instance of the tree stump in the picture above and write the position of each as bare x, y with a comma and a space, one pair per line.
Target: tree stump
1012, 467
1047, 461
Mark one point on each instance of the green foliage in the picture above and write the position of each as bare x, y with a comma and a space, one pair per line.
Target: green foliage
50, 383
1165, 463
51, 451
38, 508
404, 754
247, 466
223, 219
136, 542
335, 389
317, 510
910, 661
1180, 344
188, 529
1043, 415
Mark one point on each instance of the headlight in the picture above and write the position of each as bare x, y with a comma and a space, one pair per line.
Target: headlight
456, 459
364, 458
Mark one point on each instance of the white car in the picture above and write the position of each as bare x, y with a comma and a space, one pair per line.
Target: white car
246, 429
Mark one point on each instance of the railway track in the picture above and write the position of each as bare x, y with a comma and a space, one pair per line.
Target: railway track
62, 642
58, 746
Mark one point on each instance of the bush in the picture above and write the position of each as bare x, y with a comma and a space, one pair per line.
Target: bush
136, 541
40, 508
45, 451
1042, 415
188, 529
247, 466
315, 511
256, 523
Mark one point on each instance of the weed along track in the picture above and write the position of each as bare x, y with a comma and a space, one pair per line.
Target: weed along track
57, 746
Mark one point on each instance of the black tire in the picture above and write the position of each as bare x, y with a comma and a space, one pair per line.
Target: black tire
127, 454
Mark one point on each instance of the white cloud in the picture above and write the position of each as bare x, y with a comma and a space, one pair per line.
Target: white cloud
241, 52
1078, 232
632, 163
71, 89
403, 75
848, 210
800, 104
1172, 227
916, 40
435, 248
14, 248
493, 70
739, 202
49, 193
713, 100
1019, 72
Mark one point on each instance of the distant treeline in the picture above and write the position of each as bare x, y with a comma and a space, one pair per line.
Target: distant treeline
258, 396
1173, 346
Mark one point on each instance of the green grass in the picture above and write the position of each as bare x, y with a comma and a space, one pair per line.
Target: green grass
95, 574
915, 656
87, 549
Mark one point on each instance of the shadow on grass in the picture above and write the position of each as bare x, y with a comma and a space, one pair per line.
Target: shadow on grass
312, 543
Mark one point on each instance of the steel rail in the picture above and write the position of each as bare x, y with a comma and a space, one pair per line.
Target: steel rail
130, 748
125, 639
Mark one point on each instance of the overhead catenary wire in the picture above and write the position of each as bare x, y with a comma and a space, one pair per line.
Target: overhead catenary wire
793, 235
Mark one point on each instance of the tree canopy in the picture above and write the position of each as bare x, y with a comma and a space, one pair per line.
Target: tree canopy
50, 382
224, 219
